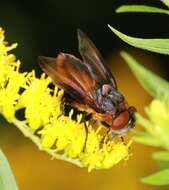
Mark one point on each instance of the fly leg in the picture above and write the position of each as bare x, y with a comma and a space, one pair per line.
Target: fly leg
65, 102
86, 136
68, 102
62, 107
104, 137
86, 118
122, 139
107, 138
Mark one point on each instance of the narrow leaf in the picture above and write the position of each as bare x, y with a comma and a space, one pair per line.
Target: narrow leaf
161, 155
163, 164
7, 180
153, 84
145, 138
155, 45
141, 9
166, 2
159, 178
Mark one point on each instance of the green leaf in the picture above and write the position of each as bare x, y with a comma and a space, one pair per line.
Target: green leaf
159, 178
155, 45
141, 9
166, 2
153, 84
7, 180
163, 164
147, 139
161, 155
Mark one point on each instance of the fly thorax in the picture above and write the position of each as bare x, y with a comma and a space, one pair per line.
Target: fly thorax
108, 106
111, 93
116, 97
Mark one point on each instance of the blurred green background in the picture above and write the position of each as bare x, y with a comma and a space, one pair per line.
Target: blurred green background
47, 27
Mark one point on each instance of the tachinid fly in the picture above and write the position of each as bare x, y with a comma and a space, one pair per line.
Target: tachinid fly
91, 86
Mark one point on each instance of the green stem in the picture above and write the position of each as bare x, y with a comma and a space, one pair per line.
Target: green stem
27, 132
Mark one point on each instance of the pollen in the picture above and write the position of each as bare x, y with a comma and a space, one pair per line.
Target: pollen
45, 124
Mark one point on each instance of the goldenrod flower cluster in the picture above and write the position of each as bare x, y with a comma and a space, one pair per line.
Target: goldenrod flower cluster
44, 123
157, 124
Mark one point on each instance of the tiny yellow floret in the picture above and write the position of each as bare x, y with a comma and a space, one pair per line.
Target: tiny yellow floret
158, 112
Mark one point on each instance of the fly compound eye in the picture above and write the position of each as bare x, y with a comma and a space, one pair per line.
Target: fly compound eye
121, 121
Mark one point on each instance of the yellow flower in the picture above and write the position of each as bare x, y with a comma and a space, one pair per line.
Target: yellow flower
36, 97
44, 123
156, 125
9, 94
158, 112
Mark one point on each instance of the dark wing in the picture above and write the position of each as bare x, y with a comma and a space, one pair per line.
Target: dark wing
94, 60
72, 75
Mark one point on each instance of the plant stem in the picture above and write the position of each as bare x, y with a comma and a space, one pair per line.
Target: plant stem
27, 132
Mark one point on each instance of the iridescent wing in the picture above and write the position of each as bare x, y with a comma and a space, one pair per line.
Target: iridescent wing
69, 73
94, 61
